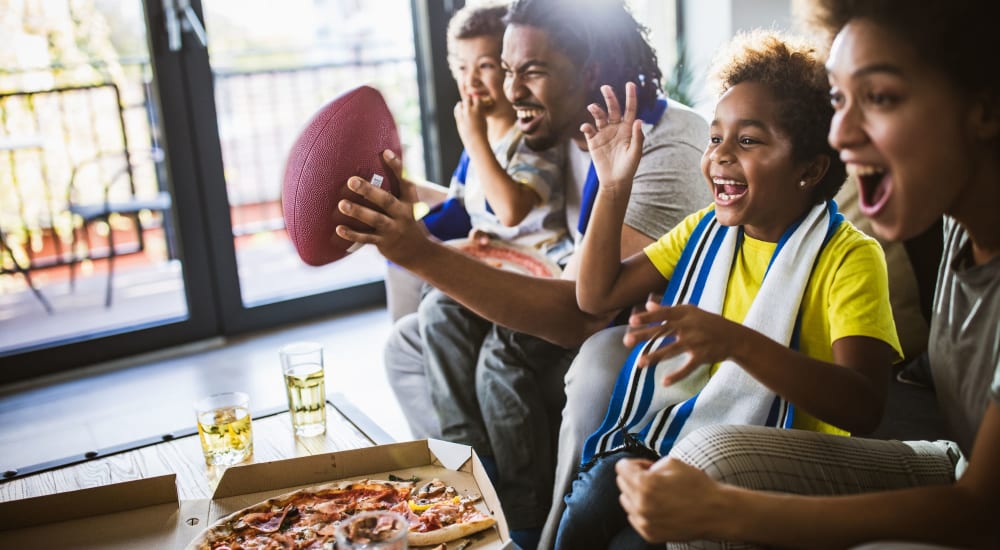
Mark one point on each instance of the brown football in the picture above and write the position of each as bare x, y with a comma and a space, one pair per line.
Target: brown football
345, 138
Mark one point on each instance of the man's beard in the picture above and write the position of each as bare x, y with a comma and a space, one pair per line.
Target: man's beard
540, 143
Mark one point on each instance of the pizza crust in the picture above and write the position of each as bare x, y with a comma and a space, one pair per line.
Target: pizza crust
450, 532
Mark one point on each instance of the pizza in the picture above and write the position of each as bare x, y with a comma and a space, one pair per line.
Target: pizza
308, 518
509, 256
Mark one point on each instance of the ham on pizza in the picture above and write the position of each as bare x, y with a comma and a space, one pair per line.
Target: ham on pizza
307, 518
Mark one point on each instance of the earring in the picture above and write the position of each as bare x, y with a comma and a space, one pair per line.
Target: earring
803, 184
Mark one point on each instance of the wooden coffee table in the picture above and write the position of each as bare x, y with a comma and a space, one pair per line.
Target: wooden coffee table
273, 439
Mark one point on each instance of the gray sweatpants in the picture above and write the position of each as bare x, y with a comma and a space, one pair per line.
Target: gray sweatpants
495, 389
403, 358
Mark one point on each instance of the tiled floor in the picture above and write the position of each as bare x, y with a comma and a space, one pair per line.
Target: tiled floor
43, 422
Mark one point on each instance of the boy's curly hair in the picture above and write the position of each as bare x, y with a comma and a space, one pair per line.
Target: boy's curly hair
792, 69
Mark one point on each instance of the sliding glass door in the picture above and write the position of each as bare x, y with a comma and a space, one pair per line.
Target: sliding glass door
90, 217
271, 70
142, 146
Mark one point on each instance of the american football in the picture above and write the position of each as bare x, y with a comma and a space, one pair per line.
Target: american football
345, 138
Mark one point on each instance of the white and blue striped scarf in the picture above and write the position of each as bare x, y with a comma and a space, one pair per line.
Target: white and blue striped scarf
645, 414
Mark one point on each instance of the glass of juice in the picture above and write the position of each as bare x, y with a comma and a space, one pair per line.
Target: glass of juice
302, 367
224, 428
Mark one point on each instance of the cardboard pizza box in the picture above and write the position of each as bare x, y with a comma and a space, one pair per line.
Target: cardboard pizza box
144, 513
147, 513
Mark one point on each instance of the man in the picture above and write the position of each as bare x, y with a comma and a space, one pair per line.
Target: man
502, 394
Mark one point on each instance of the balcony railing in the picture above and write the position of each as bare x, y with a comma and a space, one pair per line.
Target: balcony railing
47, 136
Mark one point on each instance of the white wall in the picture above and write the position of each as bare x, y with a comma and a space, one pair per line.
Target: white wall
659, 17
709, 24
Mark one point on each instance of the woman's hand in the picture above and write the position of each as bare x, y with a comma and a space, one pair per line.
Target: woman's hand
707, 337
667, 500
615, 139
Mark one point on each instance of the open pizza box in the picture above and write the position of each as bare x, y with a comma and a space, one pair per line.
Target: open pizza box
147, 513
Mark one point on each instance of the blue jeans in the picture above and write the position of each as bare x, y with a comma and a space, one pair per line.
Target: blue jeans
594, 518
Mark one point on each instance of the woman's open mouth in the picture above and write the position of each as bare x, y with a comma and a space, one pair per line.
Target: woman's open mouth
728, 191
874, 187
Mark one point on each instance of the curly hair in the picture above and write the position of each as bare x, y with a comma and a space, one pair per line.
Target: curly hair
601, 34
793, 71
956, 37
476, 21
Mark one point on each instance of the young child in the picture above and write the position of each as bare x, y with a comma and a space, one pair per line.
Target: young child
776, 310
917, 118
509, 191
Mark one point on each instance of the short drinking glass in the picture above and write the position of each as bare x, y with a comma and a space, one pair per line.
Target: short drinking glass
224, 428
302, 366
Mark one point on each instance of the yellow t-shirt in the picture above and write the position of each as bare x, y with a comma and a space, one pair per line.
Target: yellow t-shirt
848, 294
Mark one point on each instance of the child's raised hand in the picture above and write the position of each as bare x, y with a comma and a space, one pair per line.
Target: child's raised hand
707, 337
470, 119
615, 139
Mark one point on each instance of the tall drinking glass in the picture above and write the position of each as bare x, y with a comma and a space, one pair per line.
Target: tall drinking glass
302, 366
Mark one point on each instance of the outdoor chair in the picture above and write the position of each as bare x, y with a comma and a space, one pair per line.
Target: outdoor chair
6, 250
129, 205
68, 155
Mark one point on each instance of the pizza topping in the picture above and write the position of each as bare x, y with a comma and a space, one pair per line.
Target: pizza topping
332, 509
368, 529
310, 519
421, 504
326, 529
509, 256
269, 522
432, 488
435, 489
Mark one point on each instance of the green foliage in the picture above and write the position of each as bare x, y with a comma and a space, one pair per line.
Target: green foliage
680, 78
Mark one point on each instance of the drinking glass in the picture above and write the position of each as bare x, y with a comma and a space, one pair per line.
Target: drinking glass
224, 428
302, 367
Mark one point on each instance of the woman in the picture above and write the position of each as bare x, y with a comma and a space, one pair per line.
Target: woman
917, 118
